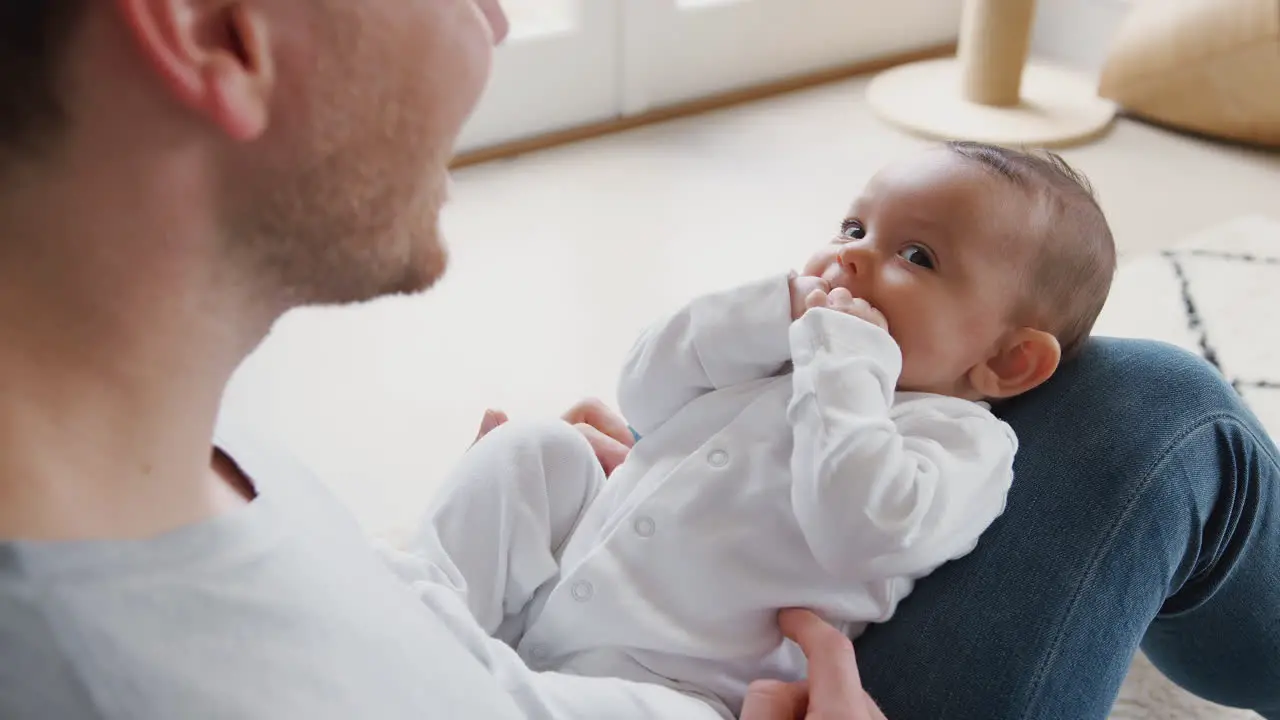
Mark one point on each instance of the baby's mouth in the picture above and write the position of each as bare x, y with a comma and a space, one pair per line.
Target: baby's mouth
835, 278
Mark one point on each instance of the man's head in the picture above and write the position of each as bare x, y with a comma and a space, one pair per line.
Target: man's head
989, 264
33, 39
312, 135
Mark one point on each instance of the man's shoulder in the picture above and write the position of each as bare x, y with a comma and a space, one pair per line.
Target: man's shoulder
255, 637
36, 680
280, 609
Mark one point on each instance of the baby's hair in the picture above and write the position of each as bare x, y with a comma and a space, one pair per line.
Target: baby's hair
1070, 277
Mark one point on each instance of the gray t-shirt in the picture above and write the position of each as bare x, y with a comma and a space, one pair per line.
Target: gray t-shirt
280, 611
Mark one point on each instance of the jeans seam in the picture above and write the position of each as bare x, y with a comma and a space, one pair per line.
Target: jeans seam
1036, 685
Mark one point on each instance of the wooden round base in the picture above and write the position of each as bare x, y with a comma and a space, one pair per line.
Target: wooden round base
1058, 107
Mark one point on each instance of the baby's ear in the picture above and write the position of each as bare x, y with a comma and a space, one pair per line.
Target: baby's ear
1024, 359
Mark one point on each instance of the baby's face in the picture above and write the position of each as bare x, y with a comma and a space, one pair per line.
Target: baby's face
939, 245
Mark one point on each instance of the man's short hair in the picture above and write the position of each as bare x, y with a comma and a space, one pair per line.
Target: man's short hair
33, 39
1070, 277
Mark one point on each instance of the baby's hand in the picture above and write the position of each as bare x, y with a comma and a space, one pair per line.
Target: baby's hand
841, 300
802, 287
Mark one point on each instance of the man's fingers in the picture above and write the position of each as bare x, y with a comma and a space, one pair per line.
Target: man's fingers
605, 430
775, 700
833, 671
873, 710
491, 420
608, 450
595, 413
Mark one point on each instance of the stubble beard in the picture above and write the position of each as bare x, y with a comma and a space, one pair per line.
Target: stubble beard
341, 202
339, 230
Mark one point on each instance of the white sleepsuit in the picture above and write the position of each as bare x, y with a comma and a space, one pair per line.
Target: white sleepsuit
778, 467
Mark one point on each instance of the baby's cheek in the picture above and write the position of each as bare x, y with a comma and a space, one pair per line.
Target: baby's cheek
929, 354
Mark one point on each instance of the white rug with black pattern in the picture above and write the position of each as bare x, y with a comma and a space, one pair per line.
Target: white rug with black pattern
1218, 295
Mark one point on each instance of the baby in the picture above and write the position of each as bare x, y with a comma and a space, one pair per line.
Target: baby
820, 440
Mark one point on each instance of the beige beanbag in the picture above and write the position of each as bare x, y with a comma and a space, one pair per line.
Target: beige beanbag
1207, 66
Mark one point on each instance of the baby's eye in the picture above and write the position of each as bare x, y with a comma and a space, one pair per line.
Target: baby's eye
917, 255
853, 230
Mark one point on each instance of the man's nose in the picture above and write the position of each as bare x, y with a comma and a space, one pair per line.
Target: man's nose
497, 18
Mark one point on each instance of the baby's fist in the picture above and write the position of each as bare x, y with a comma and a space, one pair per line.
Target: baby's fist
841, 300
804, 287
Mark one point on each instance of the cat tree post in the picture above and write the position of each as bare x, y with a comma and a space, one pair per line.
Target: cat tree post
989, 92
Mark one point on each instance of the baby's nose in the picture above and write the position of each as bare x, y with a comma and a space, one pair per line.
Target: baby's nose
855, 256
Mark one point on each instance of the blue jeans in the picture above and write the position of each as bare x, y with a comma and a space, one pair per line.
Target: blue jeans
1145, 511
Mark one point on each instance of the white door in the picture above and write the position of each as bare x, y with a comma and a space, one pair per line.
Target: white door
677, 50
559, 68
573, 62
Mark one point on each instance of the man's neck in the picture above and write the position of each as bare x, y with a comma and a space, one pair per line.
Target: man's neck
118, 342
95, 453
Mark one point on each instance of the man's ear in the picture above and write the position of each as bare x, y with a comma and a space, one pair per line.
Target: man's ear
1024, 359
213, 55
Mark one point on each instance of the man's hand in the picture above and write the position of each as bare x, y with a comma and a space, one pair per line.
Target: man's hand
841, 300
833, 690
490, 422
802, 287
605, 429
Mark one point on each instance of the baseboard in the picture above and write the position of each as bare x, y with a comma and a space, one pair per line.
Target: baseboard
701, 105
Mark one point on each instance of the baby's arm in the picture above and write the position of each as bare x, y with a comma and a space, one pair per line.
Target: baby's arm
718, 340
883, 491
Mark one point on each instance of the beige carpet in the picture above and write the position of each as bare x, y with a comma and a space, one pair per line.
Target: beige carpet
1207, 295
